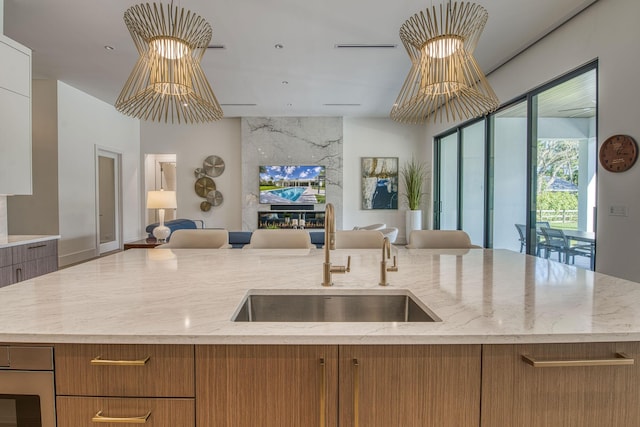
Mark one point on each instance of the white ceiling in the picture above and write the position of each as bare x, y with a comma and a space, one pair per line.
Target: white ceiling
68, 39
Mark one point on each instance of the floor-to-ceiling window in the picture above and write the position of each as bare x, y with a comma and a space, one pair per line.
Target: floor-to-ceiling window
472, 188
537, 159
508, 178
446, 208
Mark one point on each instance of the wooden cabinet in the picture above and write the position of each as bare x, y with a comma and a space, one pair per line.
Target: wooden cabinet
86, 411
15, 118
291, 386
125, 381
6, 267
266, 386
572, 385
23, 262
410, 386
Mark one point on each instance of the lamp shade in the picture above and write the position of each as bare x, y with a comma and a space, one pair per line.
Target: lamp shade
161, 200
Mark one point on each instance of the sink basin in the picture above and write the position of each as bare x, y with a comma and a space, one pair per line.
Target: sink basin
332, 307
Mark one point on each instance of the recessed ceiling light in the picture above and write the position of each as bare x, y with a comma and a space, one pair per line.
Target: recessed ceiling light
366, 45
278, 46
109, 47
284, 82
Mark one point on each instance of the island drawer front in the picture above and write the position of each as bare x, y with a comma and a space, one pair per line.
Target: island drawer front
576, 385
81, 411
6, 258
6, 276
31, 251
125, 370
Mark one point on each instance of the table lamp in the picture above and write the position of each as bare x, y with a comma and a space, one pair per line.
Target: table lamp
161, 200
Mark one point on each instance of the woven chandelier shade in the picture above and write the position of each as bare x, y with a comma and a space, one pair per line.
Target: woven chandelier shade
445, 79
167, 83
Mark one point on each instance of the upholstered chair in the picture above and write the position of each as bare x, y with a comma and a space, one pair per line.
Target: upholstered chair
198, 239
439, 239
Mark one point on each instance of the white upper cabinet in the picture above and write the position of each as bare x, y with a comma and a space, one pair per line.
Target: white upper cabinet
15, 118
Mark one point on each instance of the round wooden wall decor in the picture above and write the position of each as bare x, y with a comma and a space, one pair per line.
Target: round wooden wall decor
618, 153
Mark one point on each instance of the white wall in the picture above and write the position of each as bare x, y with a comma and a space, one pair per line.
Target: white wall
608, 31
192, 144
26, 212
378, 138
85, 122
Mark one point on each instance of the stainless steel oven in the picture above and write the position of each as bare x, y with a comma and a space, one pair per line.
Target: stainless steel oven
27, 395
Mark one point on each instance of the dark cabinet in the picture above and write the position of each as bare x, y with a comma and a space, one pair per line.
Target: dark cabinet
23, 262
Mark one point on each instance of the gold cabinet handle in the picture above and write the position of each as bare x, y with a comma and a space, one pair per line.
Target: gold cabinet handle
98, 418
356, 393
99, 361
620, 360
323, 392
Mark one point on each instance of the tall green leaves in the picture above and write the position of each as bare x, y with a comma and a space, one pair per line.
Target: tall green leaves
414, 175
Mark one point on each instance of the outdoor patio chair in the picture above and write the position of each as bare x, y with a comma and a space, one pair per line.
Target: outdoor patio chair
556, 241
522, 231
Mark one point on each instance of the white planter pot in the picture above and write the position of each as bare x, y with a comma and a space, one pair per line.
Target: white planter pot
413, 222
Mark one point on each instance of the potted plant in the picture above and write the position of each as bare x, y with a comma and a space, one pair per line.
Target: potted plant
414, 177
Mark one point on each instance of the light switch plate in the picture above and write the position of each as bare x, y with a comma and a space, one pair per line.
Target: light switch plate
618, 210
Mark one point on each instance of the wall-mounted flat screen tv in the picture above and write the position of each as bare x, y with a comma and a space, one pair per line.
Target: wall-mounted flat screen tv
292, 185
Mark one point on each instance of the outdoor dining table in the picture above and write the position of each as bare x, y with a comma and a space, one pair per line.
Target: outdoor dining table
584, 237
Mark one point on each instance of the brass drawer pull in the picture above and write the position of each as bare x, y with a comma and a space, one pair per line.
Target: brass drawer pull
98, 418
356, 393
620, 360
36, 247
323, 392
99, 361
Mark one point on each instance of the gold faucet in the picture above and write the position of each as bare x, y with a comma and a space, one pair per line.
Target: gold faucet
386, 254
330, 244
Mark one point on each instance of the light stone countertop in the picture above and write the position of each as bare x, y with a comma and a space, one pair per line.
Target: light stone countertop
16, 240
189, 296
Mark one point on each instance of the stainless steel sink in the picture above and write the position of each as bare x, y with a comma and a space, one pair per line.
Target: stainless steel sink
333, 307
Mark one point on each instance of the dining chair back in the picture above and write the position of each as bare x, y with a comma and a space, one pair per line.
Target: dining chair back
556, 241
280, 239
359, 239
439, 239
522, 232
198, 239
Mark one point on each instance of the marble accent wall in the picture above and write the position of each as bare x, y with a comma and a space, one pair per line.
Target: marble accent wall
3, 219
290, 141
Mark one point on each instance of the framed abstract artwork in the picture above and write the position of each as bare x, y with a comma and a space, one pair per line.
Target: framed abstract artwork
379, 183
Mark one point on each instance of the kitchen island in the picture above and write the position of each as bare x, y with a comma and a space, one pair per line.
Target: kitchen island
189, 296
169, 313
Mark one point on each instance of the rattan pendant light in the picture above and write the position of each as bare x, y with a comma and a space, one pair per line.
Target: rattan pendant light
167, 83
445, 79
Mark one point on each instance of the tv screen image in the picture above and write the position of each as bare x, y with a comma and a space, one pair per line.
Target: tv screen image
292, 185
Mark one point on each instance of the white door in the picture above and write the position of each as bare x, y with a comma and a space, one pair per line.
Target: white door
108, 200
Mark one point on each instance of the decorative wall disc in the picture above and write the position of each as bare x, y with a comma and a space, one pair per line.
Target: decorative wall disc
205, 206
199, 173
213, 166
214, 198
204, 186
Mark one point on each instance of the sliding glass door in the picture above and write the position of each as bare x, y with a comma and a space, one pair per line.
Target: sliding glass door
508, 178
528, 167
566, 148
